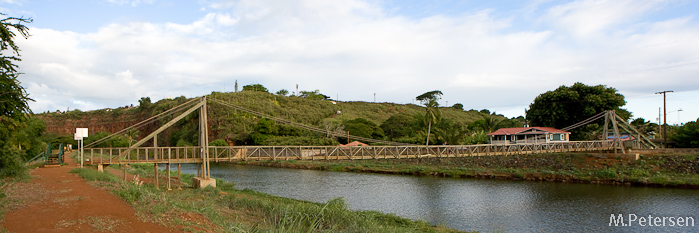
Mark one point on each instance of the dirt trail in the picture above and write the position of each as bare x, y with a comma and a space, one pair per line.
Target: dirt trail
58, 201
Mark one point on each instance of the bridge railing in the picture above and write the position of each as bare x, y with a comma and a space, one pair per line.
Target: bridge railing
235, 153
118, 155
231, 153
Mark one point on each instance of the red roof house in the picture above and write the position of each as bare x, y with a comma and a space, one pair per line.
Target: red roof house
528, 135
355, 143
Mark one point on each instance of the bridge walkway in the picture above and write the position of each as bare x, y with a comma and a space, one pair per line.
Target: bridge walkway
177, 155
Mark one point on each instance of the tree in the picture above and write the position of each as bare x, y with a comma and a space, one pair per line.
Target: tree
144, 104
450, 132
363, 128
398, 126
236, 85
566, 106
131, 136
687, 136
432, 114
255, 87
458, 106
315, 95
283, 92
643, 126
487, 123
14, 99
263, 130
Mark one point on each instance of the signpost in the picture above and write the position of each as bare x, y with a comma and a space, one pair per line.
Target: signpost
80, 133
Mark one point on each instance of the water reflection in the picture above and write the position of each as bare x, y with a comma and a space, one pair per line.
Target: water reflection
472, 204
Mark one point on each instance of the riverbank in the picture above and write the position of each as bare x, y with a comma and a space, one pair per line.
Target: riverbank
657, 170
220, 209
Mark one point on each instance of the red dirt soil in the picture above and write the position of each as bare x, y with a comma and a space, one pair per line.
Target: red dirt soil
58, 201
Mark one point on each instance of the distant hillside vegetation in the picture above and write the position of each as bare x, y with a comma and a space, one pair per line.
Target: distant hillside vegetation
384, 121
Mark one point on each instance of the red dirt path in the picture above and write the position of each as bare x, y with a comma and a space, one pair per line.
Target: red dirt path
58, 201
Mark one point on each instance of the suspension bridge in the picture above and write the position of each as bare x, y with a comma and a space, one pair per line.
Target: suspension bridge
203, 154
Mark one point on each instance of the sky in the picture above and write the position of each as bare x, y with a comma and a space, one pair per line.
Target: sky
496, 55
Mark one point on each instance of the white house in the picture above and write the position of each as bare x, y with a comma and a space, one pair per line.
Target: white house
528, 135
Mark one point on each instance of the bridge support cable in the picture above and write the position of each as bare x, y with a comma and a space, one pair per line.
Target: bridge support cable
643, 138
167, 125
144, 122
617, 122
585, 122
310, 128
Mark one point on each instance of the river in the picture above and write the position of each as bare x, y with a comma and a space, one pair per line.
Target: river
478, 204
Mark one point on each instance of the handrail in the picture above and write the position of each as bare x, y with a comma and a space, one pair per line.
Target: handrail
35, 157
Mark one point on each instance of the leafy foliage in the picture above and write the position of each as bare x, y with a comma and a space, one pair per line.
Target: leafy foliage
144, 104
363, 128
255, 87
13, 100
488, 123
399, 125
478, 137
282, 92
450, 132
432, 113
313, 95
644, 127
566, 106
687, 136
218, 142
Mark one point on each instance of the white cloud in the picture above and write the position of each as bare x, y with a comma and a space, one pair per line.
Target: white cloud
18, 2
352, 49
133, 3
585, 17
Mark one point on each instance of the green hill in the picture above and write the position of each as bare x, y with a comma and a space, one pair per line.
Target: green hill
233, 127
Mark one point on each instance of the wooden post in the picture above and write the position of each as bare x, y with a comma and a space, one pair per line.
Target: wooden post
179, 178
617, 136
605, 131
155, 177
155, 159
168, 177
124, 172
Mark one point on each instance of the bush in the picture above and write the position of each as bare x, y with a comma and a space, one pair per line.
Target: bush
218, 142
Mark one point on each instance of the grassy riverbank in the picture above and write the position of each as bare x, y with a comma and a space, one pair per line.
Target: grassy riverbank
680, 171
227, 209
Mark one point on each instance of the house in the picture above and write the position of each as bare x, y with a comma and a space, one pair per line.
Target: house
528, 135
355, 143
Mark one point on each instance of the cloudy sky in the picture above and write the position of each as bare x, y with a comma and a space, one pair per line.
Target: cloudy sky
496, 55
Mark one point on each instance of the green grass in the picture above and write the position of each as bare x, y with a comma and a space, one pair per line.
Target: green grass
94, 175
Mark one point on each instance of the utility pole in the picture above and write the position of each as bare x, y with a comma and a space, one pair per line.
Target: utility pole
664, 116
660, 126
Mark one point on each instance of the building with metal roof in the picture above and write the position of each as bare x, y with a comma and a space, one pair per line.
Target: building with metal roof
528, 135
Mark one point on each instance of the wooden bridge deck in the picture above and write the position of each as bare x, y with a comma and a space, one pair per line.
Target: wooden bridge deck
240, 153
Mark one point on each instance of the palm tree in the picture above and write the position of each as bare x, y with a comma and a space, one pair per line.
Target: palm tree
490, 123
131, 136
432, 114
451, 132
